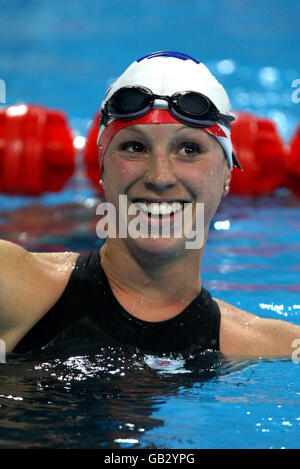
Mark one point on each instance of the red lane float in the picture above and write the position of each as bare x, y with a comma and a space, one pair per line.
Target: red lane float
293, 162
261, 153
91, 155
36, 150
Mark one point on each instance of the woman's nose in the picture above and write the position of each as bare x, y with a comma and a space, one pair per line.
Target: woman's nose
160, 173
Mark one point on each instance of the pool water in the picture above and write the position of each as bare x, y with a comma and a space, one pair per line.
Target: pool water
106, 397
96, 396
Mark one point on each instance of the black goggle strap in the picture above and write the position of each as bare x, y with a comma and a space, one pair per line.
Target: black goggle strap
225, 120
104, 117
236, 161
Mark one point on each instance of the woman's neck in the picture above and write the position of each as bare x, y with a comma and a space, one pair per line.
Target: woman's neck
149, 290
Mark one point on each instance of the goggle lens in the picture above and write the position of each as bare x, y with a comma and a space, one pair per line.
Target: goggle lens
127, 101
192, 104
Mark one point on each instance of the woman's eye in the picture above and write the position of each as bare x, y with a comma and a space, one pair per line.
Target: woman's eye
133, 147
190, 148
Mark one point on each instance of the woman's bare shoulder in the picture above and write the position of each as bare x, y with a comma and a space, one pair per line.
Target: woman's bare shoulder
30, 284
249, 335
230, 312
16, 262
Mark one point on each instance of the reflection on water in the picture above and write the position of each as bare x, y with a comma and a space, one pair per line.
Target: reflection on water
65, 398
46, 228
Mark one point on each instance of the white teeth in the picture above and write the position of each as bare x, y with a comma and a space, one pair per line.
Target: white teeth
164, 208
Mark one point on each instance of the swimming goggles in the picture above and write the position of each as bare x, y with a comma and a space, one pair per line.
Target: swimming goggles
189, 107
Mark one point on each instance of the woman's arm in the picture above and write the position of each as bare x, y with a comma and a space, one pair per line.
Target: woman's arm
247, 335
30, 284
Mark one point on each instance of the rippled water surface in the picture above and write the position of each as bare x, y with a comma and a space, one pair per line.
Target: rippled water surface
115, 398
101, 397
93, 396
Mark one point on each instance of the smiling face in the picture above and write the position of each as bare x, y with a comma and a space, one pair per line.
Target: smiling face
165, 165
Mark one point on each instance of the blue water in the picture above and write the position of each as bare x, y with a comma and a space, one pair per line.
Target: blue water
64, 56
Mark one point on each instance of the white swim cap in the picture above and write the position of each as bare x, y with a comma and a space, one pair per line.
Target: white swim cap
166, 73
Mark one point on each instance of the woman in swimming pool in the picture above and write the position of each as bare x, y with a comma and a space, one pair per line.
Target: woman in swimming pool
164, 141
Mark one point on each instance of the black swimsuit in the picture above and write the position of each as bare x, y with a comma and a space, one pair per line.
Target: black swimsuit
88, 308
